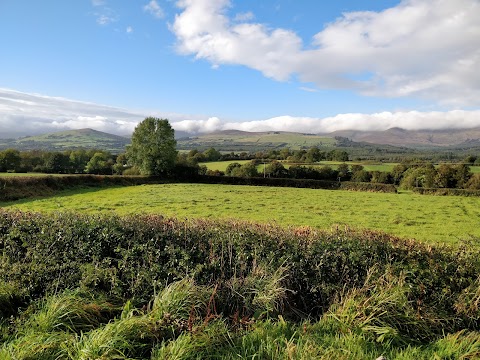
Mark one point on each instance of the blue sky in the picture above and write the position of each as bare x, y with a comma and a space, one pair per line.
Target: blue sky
209, 65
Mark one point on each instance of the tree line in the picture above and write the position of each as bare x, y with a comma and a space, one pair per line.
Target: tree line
66, 162
406, 175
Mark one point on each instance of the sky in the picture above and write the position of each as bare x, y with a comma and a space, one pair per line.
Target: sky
208, 65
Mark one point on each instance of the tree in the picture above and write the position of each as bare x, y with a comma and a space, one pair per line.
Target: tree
246, 170
100, 163
344, 172
56, 163
212, 154
276, 169
78, 161
231, 167
153, 148
9, 160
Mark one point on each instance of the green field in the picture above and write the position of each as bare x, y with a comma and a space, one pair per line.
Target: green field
428, 218
386, 167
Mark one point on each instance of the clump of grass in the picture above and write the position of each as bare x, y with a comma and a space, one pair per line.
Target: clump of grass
129, 337
38, 346
180, 300
461, 345
70, 311
382, 310
209, 341
261, 293
468, 303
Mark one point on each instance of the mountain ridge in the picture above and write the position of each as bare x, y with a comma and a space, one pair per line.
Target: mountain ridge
240, 140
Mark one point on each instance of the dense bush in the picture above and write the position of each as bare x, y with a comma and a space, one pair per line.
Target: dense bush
127, 257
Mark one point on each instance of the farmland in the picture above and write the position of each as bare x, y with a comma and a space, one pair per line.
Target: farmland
429, 218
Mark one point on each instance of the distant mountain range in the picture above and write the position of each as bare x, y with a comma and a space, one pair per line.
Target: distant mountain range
236, 140
67, 140
415, 138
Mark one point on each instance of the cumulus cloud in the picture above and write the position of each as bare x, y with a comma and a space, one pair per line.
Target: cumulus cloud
419, 48
129, 29
153, 8
199, 126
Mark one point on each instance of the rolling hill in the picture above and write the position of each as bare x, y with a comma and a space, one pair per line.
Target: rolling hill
67, 140
358, 143
415, 138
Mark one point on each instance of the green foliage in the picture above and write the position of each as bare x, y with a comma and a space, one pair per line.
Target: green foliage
100, 163
276, 169
9, 160
210, 289
153, 148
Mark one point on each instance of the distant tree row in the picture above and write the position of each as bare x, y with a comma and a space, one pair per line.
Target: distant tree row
405, 175
312, 155
66, 162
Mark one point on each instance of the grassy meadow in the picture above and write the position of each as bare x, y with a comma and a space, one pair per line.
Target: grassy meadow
385, 167
433, 219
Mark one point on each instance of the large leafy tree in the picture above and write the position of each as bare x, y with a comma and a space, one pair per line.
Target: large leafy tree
153, 148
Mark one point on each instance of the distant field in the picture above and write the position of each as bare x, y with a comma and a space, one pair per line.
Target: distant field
428, 218
222, 165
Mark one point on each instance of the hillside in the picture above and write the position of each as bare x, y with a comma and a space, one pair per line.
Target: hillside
457, 138
71, 139
364, 144
236, 140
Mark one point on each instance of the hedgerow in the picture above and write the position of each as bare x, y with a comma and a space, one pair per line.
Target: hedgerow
446, 191
127, 257
136, 287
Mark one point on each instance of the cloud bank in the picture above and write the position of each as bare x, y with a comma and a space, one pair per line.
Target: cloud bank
23, 114
419, 48
412, 120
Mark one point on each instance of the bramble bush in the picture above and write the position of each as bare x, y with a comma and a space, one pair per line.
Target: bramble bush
129, 257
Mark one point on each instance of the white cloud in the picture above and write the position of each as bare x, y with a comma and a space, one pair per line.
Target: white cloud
129, 29
199, 126
153, 8
98, 2
411, 120
308, 89
24, 114
419, 48
103, 19
246, 16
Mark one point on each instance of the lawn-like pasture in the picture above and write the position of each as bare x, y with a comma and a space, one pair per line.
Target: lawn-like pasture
368, 166
443, 219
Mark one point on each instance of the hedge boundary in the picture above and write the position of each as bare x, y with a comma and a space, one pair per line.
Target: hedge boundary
297, 183
446, 192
